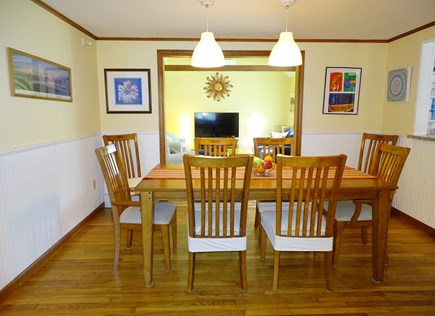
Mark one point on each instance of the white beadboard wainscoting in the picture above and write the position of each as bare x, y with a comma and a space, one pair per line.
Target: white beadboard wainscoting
48, 189
416, 194
45, 191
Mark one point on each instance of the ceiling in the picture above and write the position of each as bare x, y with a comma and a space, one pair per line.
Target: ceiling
248, 19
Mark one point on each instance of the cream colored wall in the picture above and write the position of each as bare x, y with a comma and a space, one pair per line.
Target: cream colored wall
27, 27
35, 121
405, 52
370, 57
142, 55
260, 98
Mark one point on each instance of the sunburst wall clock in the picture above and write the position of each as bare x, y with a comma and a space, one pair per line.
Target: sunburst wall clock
218, 87
398, 85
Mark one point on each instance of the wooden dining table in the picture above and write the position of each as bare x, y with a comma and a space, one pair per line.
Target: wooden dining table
167, 182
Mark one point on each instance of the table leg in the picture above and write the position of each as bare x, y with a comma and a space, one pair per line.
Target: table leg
147, 236
381, 214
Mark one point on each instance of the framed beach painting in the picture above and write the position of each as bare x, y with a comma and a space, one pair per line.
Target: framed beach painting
35, 77
128, 90
341, 94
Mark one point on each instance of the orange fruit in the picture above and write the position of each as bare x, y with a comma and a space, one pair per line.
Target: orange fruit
270, 158
260, 169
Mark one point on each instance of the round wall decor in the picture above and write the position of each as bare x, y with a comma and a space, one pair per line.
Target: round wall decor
217, 87
398, 85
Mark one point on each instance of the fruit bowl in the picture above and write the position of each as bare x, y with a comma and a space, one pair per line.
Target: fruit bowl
262, 167
261, 171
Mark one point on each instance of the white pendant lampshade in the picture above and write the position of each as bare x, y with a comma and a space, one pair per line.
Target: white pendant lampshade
207, 53
286, 52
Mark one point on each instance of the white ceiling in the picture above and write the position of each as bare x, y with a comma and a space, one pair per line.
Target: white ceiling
248, 19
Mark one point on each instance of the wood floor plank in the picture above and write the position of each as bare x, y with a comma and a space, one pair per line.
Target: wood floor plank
79, 279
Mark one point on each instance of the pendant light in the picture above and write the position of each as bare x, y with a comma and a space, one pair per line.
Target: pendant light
207, 53
286, 52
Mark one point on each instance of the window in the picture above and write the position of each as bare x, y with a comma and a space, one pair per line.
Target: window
425, 108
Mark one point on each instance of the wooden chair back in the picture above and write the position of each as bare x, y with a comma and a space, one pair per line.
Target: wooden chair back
114, 173
264, 146
216, 146
370, 143
219, 194
389, 161
128, 148
311, 180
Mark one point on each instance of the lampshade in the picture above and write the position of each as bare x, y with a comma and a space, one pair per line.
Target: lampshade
207, 53
286, 52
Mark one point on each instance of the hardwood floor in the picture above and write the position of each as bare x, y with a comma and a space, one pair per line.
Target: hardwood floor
79, 279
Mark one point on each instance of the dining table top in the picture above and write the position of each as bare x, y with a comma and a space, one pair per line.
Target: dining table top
171, 178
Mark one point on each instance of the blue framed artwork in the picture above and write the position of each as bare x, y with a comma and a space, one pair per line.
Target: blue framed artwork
399, 81
128, 90
35, 77
342, 87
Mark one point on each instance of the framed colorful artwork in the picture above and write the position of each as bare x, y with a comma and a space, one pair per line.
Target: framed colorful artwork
342, 86
35, 77
399, 81
128, 90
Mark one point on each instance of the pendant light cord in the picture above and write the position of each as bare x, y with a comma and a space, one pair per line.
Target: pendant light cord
286, 16
206, 7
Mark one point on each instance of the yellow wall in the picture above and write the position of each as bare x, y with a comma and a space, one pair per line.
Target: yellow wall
262, 100
372, 58
142, 55
29, 28
399, 116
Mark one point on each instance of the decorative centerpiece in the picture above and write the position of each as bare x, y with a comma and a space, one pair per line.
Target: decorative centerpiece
262, 167
218, 87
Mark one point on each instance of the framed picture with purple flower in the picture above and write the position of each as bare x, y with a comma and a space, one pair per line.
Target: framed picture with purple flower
128, 90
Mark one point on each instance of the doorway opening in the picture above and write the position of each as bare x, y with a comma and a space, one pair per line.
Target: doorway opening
247, 63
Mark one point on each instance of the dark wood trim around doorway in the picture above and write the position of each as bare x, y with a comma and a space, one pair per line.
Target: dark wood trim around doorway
161, 68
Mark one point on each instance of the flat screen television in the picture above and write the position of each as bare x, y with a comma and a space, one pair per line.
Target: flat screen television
216, 124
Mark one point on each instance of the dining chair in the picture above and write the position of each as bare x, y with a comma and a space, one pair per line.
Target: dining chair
269, 146
128, 148
370, 143
388, 163
127, 213
215, 146
217, 213
299, 223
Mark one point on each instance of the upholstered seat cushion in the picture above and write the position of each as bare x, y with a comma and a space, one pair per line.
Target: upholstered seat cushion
133, 182
345, 210
131, 215
292, 243
205, 244
163, 212
264, 206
